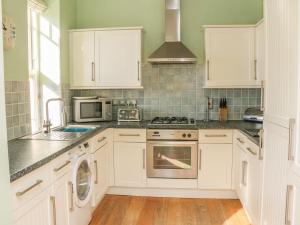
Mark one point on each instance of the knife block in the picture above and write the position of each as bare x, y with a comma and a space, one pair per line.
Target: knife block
223, 114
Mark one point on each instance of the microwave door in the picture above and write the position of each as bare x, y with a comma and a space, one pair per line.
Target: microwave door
91, 111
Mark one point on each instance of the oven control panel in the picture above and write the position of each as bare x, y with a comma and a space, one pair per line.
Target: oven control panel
188, 135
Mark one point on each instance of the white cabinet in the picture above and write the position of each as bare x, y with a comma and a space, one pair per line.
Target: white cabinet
260, 50
215, 166
293, 200
130, 164
60, 200
106, 58
215, 159
230, 57
118, 58
82, 59
275, 174
100, 159
241, 174
249, 171
37, 211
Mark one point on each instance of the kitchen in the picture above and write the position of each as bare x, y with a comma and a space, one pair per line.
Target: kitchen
150, 112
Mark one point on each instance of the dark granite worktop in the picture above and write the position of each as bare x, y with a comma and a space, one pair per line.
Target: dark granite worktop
28, 155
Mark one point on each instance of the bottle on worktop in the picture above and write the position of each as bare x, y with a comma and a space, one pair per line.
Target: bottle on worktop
223, 110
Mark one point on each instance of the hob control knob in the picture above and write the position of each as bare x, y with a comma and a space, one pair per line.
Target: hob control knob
184, 135
189, 135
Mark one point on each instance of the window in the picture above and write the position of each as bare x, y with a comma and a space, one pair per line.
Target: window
44, 67
33, 47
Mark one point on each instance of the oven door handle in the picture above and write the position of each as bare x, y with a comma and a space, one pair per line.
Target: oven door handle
168, 143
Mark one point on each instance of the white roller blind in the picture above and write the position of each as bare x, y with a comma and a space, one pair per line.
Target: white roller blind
38, 5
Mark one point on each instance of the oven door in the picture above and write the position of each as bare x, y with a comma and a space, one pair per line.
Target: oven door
89, 111
176, 159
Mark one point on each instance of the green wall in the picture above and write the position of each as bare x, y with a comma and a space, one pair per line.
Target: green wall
67, 21
60, 12
150, 14
16, 60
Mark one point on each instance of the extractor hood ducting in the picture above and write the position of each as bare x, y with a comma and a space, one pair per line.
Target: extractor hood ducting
173, 50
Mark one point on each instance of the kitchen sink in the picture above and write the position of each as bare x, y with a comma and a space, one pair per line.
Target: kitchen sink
67, 133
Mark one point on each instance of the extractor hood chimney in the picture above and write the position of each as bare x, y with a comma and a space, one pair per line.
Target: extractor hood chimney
172, 51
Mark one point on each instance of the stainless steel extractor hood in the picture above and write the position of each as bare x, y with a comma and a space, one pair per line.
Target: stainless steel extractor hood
172, 51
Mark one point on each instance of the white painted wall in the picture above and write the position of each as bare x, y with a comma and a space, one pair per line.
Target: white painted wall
4, 171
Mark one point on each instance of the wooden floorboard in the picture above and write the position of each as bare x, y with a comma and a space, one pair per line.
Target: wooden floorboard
129, 210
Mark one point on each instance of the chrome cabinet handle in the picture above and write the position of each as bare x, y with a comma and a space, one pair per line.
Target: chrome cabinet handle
262, 96
62, 166
138, 65
287, 206
244, 167
93, 71
242, 142
72, 199
53, 201
215, 135
129, 135
102, 139
251, 151
96, 169
208, 69
21, 193
255, 69
291, 156
260, 154
144, 156
200, 159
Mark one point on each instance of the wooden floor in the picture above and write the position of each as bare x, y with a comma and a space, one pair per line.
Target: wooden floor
128, 210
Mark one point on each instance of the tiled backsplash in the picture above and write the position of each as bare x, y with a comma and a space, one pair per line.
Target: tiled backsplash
178, 90
17, 97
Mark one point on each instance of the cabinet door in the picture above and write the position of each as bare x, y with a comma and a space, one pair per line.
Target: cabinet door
242, 175
130, 164
82, 59
60, 199
230, 57
293, 200
260, 51
215, 166
118, 58
275, 174
36, 211
254, 188
101, 173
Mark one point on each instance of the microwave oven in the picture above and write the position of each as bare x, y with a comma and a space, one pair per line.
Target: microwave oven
92, 109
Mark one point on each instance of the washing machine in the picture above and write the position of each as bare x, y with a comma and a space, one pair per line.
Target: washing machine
82, 185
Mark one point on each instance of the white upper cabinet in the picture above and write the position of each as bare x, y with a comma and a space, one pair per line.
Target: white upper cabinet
118, 55
82, 59
106, 58
230, 57
260, 50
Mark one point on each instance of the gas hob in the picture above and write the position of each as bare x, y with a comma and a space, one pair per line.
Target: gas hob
172, 121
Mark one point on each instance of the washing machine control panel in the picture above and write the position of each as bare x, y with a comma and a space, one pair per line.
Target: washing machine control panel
80, 149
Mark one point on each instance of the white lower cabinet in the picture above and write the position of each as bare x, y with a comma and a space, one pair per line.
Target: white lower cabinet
249, 176
241, 174
36, 211
293, 200
215, 166
60, 201
130, 164
100, 160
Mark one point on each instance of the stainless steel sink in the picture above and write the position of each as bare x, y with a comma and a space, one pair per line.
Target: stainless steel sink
67, 133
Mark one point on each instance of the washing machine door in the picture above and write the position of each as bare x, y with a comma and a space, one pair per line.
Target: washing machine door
82, 180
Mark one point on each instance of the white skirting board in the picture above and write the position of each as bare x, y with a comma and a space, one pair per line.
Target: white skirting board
174, 193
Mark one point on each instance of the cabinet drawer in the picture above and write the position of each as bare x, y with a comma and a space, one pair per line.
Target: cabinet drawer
240, 139
60, 166
102, 139
29, 186
130, 135
215, 136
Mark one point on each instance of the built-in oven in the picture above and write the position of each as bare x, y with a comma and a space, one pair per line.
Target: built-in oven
172, 154
92, 109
